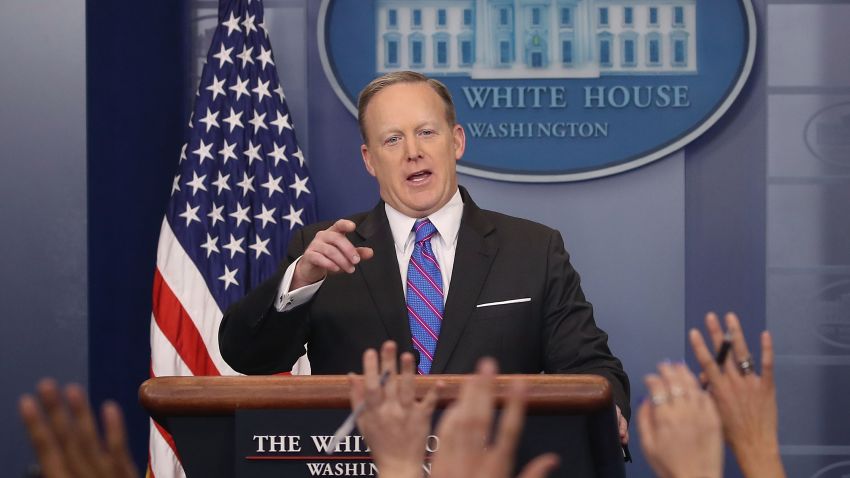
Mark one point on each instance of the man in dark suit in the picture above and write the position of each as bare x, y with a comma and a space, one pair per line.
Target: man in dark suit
426, 268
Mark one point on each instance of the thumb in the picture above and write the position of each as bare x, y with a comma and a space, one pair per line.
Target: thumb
365, 253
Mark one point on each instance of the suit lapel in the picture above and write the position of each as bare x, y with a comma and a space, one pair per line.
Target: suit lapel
476, 249
381, 275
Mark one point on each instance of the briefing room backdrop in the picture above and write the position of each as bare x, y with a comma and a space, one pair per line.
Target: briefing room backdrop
752, 216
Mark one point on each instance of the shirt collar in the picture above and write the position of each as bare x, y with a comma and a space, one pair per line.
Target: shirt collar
446, 220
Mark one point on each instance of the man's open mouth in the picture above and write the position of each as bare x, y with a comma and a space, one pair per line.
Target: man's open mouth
419, 176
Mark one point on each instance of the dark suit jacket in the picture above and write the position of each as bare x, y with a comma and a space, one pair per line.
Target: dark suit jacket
498, 258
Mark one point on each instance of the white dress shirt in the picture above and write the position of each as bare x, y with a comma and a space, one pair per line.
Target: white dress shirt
444, 243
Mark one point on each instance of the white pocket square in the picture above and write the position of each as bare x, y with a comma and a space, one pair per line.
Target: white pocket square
505, 302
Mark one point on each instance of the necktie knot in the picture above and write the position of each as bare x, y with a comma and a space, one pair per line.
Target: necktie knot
423, 229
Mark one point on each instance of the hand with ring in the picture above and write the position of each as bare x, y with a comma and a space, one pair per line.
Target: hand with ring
746, 401
679, 427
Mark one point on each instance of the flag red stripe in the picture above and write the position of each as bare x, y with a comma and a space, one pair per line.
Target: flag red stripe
177, 326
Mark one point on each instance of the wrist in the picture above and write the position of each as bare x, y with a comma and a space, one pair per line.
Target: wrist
299, 279
399, 470
764, 462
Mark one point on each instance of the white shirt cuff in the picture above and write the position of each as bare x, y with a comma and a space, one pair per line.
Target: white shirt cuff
288, 300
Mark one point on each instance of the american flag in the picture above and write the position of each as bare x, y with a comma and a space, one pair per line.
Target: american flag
241, 188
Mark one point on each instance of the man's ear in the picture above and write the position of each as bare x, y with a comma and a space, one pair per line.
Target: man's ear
459, 138
367, 159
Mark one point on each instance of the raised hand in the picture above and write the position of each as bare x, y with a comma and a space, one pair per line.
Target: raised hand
746, 401
679, 427
394, 424
63, 433
464, 432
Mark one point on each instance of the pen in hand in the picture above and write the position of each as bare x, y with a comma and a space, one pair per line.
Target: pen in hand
348, 425
722, 353
724, 349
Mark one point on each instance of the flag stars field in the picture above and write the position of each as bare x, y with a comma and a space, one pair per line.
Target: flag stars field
224, 234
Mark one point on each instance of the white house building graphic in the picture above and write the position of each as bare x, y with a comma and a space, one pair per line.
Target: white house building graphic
489, 39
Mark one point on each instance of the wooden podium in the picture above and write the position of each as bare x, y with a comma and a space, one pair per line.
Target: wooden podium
215, 422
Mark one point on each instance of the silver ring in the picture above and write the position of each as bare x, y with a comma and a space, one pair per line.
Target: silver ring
746, 366
659, 399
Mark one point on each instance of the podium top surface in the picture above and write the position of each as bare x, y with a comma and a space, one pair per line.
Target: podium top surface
222, 395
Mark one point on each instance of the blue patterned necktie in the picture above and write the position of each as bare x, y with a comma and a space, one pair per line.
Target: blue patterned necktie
424, 295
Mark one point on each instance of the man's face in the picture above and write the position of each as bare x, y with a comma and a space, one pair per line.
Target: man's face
411, 149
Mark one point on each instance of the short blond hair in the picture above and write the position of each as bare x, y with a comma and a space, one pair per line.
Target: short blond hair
380, 83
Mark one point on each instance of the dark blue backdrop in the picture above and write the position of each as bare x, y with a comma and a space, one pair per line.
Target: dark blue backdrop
137, 61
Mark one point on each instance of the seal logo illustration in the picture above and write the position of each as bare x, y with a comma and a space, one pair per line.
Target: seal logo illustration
554, 90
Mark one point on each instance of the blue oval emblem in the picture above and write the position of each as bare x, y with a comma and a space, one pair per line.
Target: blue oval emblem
832, 309
827, 135
554, 90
